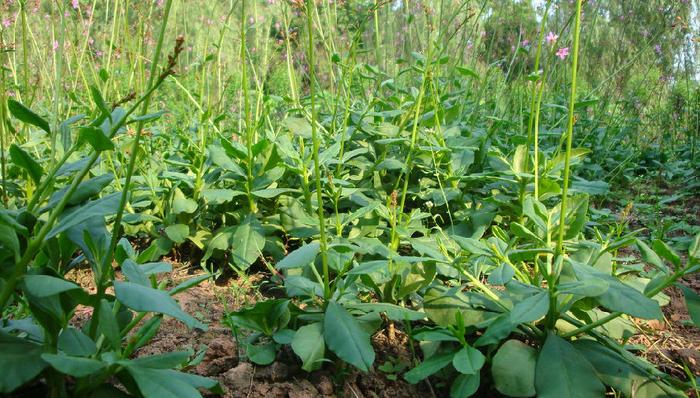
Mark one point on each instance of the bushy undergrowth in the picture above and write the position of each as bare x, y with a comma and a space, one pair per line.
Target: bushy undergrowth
428, 166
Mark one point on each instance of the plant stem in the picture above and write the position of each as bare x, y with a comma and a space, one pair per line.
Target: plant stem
152, 84
316, 147
570, 129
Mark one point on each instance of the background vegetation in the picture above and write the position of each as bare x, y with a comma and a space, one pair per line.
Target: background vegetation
489, 177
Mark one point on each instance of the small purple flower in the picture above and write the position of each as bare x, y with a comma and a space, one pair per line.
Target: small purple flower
657, 49
75, 4
563, 52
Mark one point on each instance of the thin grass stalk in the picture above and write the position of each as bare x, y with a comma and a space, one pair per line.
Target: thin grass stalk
316, 148
246, 109
3, 120
570, 130
152, 84
25, 52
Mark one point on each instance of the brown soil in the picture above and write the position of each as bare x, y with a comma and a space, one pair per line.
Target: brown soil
284, 378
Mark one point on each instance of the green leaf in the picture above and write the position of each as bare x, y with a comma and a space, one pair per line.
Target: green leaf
468, 360
300, 257
464, 71
298, 125
501, 275
513, 369
22, 159
178, 233
271, 192
266, 317
261, 354
586, 288
74, 366
181, 204
105, 206
308, 344
663, 250
392, 311
20, 362
26, 115
624, 377
145, 299
576, 218
247, 242
100, 102
45, 285
157, 383
108, 324
428, 367
346, 338
74, 342
465, 385
523, 232
620, 296
692, 301
220, 196
562, 372
86, 190
694, 249
95, 138
166, 360
649, 256
530, 309
218, 156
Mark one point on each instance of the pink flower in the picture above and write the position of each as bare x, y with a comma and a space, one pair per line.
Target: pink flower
55, 45
75, 4
551, 38
6, 22
562, 52
525, 43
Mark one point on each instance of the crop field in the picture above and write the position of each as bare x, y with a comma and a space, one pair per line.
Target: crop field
350, 198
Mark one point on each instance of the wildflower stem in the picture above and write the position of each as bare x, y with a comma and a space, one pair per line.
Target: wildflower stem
247, 112
570, 130
316, 147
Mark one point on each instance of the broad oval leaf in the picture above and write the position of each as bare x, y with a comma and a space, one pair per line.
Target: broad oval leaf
309, 346
562, 372
513, 369
300, 257
145, 299
468, 360
346, 338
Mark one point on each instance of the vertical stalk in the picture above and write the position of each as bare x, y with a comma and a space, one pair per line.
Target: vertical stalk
570, 129
537, 90
377, 45
25, 56
107, 263
248, 115
3, 118
316, 145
